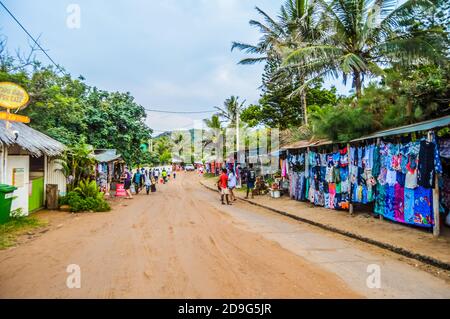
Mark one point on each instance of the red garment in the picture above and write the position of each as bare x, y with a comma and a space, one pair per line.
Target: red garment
223, 180
343, 151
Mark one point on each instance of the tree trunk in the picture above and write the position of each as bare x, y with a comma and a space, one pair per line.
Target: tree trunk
305, 106
303, 102
409, 107
358, 83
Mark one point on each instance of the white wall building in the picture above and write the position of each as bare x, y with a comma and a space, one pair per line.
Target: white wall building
29, 161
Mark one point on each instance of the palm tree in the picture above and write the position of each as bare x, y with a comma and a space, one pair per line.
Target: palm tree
213, 123
231, 109
272, 35
214, 135
365, 36
295, 27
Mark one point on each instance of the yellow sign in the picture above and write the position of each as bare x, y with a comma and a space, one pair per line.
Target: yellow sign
14, 117
12, 96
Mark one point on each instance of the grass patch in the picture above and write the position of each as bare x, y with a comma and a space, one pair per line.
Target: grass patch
16, 227
209, 175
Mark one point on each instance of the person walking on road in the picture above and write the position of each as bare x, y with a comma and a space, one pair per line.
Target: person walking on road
223, 186
154, 181
137, 180
148, 182
126, 178
164, 175
251, 179
156, 174
232, 185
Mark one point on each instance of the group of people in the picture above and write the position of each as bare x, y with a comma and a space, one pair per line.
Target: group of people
227, 184
143, 178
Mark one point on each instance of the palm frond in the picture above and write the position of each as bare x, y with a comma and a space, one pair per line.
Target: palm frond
251, 61
247, 48
272, 23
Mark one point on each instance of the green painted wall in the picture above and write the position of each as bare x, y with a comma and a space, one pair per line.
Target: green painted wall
36, 200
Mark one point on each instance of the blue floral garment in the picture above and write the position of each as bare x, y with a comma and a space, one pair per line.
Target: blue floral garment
409, 206
423, 207
437, 158
380, 199
389, 210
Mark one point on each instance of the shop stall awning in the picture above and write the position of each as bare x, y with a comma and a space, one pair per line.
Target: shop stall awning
417, 127
306, 144
296, 145
107, 156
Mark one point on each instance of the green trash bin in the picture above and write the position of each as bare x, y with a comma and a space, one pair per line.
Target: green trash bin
6, 197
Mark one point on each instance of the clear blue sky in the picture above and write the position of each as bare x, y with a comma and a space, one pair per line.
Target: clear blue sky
170, 54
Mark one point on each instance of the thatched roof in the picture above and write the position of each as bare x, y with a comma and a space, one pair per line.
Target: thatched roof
35, 142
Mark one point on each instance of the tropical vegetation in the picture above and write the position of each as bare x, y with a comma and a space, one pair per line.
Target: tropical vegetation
86, 197
395, 56
69, 110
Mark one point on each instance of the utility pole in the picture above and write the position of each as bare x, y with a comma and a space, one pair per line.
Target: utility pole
238, 141
238, 115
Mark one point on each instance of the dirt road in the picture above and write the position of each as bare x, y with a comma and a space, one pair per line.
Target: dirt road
181, 243
167, 245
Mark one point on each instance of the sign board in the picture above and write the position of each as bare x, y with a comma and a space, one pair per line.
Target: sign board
14, 117
13, 96
18, 177
120, 190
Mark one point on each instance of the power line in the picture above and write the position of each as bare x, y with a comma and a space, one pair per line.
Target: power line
179, 112
32, 38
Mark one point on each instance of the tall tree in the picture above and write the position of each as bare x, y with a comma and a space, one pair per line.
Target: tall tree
365, 35
231, 109
294, 27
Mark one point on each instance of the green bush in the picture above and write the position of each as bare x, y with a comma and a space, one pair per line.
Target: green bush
341, 123
86, 197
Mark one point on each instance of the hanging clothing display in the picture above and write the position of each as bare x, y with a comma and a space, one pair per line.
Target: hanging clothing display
295, 165
398, 178
329, 179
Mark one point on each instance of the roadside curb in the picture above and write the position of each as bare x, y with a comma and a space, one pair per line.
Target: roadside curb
401, 251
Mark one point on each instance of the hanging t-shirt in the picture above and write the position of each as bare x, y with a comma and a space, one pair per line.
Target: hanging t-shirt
411, 179
426, 170
391, 177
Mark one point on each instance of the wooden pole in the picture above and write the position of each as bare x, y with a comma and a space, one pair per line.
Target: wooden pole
437, 217
437, 220
350, 207
307, 171
378, 144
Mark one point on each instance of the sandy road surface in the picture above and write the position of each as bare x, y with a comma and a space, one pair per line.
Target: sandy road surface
177, 243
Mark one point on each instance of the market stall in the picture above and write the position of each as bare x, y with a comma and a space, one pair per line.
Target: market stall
401, 172
109, 168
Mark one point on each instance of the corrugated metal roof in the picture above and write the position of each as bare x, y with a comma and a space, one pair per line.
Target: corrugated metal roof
107, 156
306, 144
296, 145
422, 126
